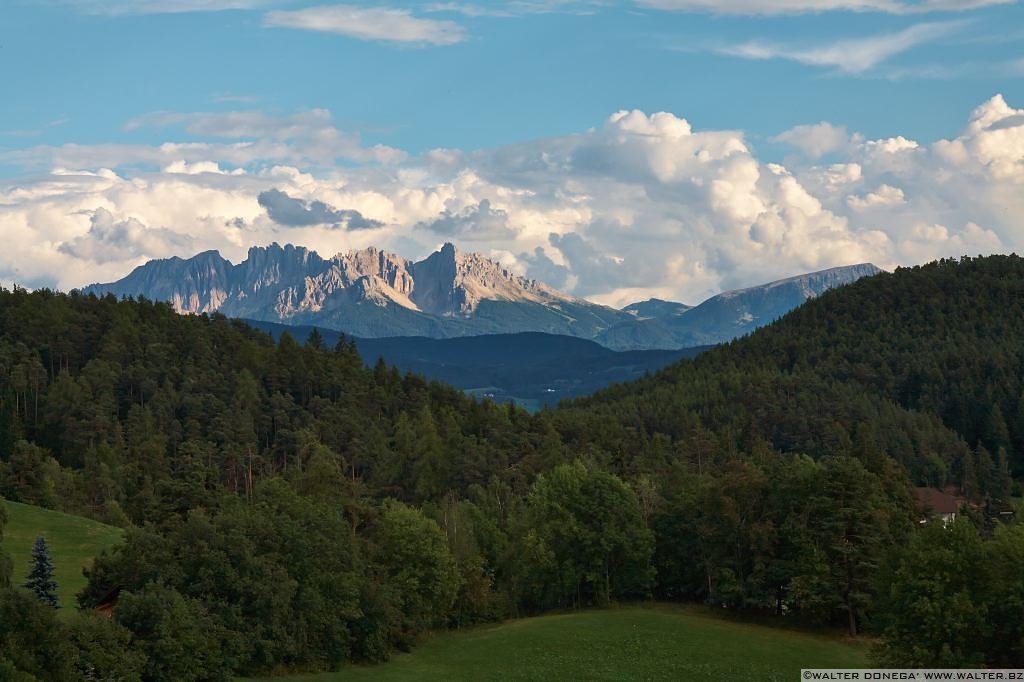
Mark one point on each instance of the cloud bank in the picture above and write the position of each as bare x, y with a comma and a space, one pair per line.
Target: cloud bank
641, 205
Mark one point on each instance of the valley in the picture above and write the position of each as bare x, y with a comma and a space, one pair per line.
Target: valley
529, 369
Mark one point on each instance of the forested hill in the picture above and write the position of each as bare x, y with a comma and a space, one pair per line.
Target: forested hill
871, 367
126, 396
288, 508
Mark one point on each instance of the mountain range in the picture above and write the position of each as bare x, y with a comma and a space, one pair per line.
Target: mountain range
371, 293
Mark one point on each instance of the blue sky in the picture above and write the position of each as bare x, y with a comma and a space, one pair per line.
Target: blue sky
78, 70
616, 150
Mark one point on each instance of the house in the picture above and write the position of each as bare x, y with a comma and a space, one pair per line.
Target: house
941, 504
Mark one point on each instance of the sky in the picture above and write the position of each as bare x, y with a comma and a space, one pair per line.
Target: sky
615, 150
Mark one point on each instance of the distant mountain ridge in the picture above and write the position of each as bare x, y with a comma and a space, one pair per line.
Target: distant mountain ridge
371, 293
531, 369
731, 313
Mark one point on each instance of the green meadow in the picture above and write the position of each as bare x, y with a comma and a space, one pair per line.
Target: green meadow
73, 541
658, 642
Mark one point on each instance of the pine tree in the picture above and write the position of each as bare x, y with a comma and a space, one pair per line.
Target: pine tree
40, 577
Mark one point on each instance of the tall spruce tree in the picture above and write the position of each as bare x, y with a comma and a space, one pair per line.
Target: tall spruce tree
40, 578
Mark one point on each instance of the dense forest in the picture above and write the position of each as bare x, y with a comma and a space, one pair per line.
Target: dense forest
288, 508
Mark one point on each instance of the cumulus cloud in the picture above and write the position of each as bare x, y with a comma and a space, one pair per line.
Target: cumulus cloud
111, 239
891, 145
920, 241
593, 270
640, 205
816, 140
198, 168
885, 195
852, 56
293, 212
539, 265
480, 221
369, 23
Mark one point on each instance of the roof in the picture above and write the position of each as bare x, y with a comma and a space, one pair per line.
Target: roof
938, 501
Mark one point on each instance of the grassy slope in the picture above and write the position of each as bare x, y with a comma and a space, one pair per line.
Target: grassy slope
73, 542
643, 643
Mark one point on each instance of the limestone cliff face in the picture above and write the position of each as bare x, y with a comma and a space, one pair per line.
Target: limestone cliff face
197, 285
369, 291
450, 282
376, 276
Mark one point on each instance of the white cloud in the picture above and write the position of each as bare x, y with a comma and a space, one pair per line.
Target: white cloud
885, 195
369, 23
921, 241
996, 137
475, 222
303, 138
116, 240
853, 56
778, 7
641, 205
816, 140
198, 168
891, 145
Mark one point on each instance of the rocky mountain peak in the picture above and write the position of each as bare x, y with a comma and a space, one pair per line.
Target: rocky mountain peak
458, 281
448, 251
380, 276
274, 265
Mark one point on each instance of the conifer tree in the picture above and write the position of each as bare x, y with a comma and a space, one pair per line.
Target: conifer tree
40, 577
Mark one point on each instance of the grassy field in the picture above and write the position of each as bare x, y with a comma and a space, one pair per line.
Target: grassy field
73, 542
637, 643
